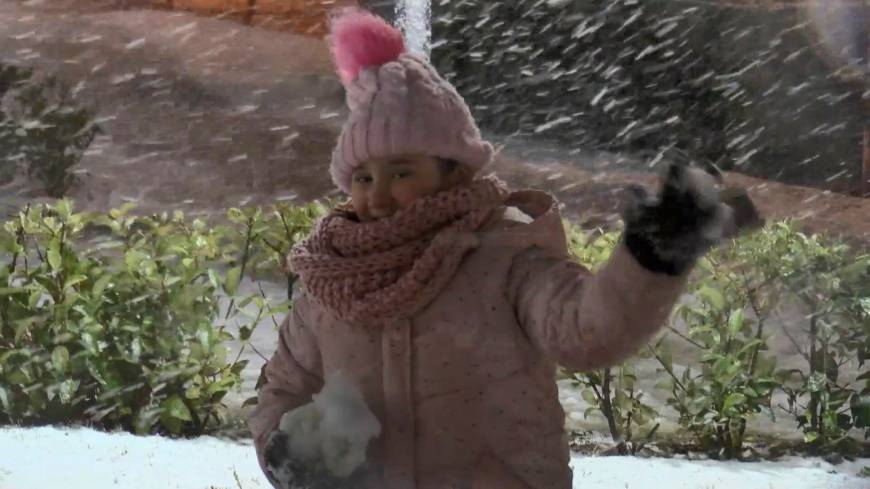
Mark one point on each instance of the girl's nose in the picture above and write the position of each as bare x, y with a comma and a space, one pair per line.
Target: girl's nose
381, 202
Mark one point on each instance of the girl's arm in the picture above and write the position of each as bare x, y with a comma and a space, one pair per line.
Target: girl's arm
292, 376
587, 321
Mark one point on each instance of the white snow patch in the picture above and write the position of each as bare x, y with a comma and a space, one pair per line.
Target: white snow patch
658, 473
80, 458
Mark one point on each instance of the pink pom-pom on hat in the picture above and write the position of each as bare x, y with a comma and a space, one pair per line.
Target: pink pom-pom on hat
399, 104
360, 40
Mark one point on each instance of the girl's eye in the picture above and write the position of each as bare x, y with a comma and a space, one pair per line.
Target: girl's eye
402, 174
362, 179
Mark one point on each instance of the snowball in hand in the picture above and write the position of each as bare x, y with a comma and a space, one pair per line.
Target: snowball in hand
334, 429
705, 189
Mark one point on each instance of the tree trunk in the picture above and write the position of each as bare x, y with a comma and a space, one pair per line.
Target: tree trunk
383, 8
607, 410
865, 169
814, 406
865, 174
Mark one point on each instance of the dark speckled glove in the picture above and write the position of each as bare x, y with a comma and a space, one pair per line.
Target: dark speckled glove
286, 472
688, 218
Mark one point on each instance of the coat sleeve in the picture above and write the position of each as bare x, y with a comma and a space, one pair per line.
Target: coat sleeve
587, 321
292, 376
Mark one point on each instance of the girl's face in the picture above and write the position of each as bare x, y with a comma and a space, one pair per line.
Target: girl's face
380, 187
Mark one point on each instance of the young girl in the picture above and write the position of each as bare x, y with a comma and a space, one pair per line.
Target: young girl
447, 299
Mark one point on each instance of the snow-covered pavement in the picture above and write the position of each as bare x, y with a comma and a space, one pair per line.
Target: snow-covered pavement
43, 458
74, 458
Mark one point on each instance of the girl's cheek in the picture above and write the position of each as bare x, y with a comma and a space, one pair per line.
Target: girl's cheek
408, 190
430, 184
405, 194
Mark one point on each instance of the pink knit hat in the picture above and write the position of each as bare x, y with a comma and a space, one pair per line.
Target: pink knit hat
398, 102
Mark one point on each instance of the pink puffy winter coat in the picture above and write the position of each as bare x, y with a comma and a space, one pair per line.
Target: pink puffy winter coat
465, 388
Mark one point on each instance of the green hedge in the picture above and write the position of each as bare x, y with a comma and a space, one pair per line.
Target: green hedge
121, 321
735, 293
115, 321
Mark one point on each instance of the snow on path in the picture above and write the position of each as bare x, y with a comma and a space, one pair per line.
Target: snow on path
659, 473
78, 458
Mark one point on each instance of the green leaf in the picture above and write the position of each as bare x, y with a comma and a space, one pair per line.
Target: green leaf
218, 395
817, 382
735, 321
145, 420
22, 327
765, 365
170, 281
63, 209
860, 407
96, 374
67, 390
664, 355
245, 333
18, 377
589, 397
74, 280
244, 302
713, 296
108, 245
6, 291
4, 398
733, 400
133, 258
60, 359
35, 295
101, 284
214, 278
54, 258
176, 408
640, 419
620, 401
749, 346
627, 378
231, 284
193, 392
135, 349
239, 366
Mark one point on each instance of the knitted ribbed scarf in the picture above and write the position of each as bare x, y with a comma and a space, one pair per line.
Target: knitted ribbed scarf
379, 270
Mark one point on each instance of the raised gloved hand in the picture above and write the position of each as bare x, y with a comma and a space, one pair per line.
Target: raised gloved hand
688, 218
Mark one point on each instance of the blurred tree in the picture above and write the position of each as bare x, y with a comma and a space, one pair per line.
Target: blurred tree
10, 78
383, 8
43, 130
744, 87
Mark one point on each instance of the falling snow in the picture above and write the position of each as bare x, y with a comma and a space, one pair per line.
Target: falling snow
202, 114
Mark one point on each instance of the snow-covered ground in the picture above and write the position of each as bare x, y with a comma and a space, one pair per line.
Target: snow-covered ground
76, 458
